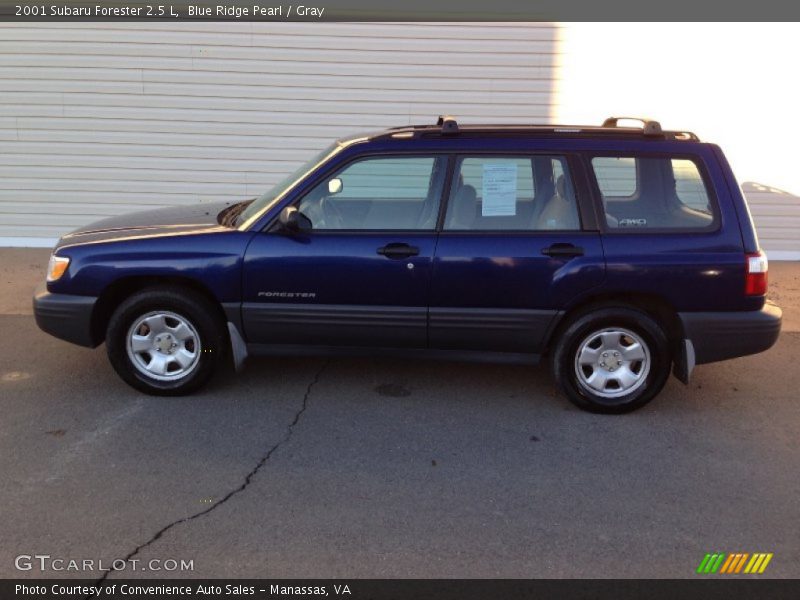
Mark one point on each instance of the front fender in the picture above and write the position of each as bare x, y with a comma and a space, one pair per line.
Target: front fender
212, 260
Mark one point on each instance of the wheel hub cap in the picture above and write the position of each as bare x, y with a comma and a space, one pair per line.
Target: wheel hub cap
163, 345
612, 362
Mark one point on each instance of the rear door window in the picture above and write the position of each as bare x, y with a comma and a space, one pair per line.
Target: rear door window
511, 193
641, 192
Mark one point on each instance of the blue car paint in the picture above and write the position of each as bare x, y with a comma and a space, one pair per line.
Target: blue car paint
339, 270
507, 273
712, 262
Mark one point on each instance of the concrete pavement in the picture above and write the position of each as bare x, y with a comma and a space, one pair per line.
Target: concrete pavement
379, 468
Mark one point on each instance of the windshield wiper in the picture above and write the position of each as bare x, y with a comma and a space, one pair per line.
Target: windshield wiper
229, 216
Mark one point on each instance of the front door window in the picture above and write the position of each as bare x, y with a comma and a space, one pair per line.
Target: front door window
398, 193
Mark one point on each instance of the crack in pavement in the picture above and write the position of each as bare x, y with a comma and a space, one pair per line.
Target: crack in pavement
247, 480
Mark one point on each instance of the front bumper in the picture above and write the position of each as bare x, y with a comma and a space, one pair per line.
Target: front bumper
65, 316
718, 336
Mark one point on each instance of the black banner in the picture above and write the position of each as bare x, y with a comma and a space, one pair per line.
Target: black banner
732, 588
407, 10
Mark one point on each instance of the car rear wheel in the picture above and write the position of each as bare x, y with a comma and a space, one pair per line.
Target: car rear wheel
165, 341
612, 360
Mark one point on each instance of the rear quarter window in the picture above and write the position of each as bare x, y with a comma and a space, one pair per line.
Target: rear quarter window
646, 192
616, 176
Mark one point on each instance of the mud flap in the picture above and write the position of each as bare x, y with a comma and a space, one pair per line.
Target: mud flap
238, 347
683, 365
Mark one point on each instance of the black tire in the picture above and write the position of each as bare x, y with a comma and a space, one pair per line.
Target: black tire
583, 331
206, 326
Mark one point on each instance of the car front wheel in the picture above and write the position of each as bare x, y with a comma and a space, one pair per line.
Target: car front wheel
165, 341
612, 360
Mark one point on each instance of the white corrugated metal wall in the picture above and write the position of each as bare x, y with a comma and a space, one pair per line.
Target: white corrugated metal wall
99, 119
741, 99
102, 118
776, 214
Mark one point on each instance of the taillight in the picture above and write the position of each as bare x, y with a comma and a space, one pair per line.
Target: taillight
755, 282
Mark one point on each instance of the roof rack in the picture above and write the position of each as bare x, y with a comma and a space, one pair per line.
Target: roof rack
649, 126
447, 125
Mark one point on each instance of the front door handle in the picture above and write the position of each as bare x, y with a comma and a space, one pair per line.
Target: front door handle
563, 250
396, 251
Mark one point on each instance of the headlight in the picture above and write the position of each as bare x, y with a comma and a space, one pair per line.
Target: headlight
57, 267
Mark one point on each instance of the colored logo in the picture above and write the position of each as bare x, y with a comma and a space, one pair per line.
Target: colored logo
734, 564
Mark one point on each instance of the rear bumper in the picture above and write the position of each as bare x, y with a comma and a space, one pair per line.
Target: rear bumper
64, 316
717, 336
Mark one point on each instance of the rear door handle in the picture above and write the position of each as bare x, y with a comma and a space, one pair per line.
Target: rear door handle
563, 250
396, 251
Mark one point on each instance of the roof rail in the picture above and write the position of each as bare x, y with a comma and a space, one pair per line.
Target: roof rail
448, 124
649, 126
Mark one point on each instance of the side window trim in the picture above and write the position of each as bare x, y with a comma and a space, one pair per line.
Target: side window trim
702, 168
444, 200
584, 195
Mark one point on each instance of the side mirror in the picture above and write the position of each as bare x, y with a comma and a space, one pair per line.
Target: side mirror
293, 220
335, 186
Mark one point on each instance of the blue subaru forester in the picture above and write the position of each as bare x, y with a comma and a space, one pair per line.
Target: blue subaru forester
620, 253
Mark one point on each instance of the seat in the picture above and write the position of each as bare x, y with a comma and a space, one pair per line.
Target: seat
463, 208
560, 211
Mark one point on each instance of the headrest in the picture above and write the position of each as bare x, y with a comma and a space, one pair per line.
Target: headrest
464, 206
561, 186
467, 193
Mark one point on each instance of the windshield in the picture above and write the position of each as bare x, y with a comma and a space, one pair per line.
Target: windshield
266, 200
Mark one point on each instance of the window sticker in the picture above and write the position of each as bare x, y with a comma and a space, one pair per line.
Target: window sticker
499, 190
